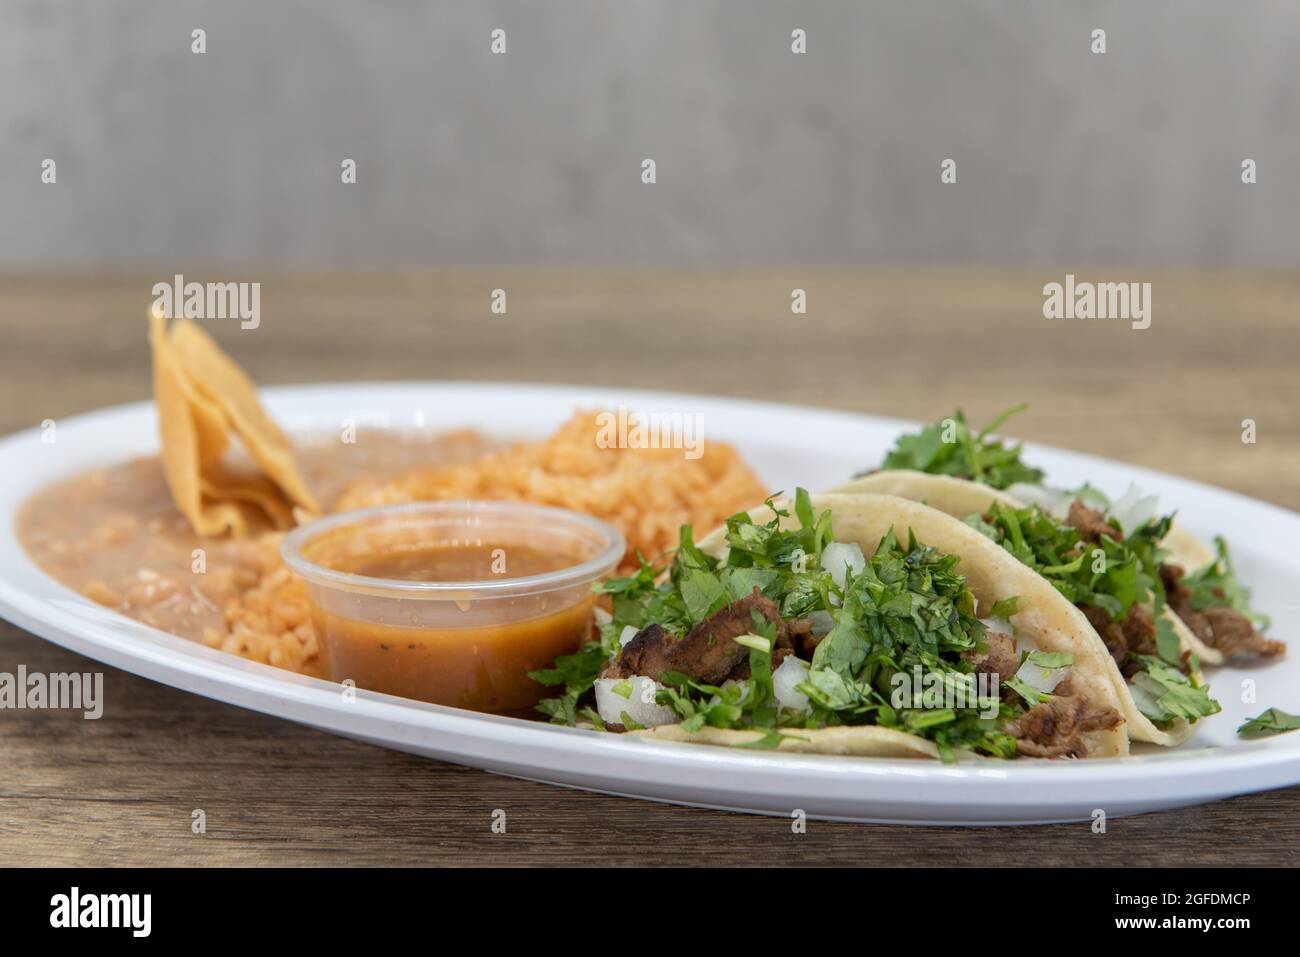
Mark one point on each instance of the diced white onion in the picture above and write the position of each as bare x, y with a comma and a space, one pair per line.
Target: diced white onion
1041, 679
628, 634
999, 625
791, 672
1025, 644
602, 616
639, 704
1053, 501
1134, 509
837, 556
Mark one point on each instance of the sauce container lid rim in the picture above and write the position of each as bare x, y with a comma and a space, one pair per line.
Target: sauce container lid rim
611, 540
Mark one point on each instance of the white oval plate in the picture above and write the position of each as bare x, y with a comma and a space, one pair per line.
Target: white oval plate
788, 445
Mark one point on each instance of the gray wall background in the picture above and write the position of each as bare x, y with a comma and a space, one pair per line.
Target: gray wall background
763, 156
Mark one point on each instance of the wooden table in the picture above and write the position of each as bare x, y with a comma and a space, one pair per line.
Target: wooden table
1221, 348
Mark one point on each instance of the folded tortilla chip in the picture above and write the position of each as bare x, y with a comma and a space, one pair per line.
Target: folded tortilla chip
211, 428
256, 490
196, 419
218, 378
186, 437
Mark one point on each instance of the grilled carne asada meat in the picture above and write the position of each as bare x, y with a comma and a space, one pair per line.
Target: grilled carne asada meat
1090, 523
1055, 728
1001, 659
1220, 627
1135, 635
708, 653
799, 631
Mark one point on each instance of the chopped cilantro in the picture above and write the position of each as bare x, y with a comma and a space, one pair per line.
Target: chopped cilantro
1031, 696
1216, 585
1168, 647
1164, 694
1109, 574
1004, 608
1050, 660
769, 740
577, 672
1273, 721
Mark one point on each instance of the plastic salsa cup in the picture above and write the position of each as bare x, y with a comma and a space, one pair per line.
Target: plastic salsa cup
452, 602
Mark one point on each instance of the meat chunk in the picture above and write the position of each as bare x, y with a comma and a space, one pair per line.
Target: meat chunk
1220, 627
1090, 523
708, 653
799, 632
1178, 596
1234, 634
648, 653
1140, 631
1055, 728
1135, 635
1000, 659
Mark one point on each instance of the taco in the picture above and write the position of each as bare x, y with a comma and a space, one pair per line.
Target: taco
847, 624
961, 472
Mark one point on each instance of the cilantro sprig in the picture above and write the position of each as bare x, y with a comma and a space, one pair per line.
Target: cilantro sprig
1273, 721
950, 447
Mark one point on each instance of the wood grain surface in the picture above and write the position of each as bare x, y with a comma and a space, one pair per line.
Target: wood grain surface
1222, 347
